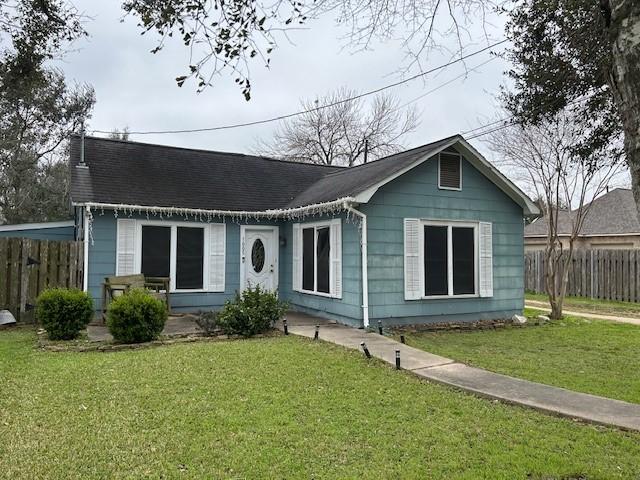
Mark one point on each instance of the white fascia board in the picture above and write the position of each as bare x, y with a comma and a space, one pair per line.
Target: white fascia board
36, 226
506, 185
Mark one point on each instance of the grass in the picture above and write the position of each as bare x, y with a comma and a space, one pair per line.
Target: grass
589, 356
588, 305
280, 407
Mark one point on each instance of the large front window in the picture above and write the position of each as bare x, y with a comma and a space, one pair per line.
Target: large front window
449, 259
186, 266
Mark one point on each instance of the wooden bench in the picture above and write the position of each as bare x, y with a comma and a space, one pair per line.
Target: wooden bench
115, 286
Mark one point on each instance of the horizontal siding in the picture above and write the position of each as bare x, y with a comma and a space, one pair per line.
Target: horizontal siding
102, 263
347, 309
417, 196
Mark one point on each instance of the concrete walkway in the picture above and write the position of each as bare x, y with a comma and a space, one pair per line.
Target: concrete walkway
558, 401
596, 316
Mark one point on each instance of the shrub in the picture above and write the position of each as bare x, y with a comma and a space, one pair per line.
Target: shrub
253, 311
136, 317
64, 312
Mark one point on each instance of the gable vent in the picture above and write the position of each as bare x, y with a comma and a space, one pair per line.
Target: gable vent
450, 171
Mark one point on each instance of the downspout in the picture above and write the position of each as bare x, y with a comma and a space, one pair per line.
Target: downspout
85, 235
365, 269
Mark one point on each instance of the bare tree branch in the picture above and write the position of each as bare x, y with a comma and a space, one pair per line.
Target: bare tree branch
344, 132
543, 157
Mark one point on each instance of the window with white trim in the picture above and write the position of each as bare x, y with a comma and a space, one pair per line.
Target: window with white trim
449, 171
447, 259
317, 258
190, 254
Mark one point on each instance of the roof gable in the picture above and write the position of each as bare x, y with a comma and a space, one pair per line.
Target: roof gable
363, 181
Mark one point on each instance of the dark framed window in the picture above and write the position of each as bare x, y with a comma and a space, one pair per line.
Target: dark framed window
463, 241
156, 251
316, 259
189, 258
435, 260
450, 171
449, 260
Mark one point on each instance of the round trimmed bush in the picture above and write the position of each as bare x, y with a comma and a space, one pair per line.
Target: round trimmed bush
253, 311
136, 317
64, 312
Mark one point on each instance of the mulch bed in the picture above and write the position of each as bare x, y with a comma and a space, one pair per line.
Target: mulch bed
85, 345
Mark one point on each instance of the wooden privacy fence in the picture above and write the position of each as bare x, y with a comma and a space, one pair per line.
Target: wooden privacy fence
27, 267
603, 274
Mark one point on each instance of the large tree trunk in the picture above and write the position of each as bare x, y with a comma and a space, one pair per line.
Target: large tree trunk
623, 21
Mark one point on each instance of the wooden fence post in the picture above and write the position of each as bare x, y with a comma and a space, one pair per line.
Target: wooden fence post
52, 264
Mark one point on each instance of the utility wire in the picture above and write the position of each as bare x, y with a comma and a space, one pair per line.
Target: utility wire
508, 121
320, 107
442, 85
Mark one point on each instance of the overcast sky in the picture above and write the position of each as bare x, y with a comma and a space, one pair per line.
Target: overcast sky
137, 89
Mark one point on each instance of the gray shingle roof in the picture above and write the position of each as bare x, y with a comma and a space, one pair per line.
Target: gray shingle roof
348, 182
135, 173
132, 173
614, 213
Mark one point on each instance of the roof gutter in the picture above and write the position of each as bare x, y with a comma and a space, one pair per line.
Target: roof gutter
316, 208
365, 269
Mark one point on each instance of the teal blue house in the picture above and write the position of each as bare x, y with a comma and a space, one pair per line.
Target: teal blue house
432, 234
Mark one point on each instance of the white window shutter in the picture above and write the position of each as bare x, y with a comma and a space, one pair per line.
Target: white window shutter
335, 247
297, 257
412, 281
486, 259
217, 243
126, 247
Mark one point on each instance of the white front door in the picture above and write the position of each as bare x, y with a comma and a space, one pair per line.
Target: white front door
259, 257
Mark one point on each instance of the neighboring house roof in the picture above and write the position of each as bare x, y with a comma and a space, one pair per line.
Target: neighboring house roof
36, 226
614, 213
132, 173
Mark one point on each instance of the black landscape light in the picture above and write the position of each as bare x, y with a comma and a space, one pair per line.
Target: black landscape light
316, 335
365, 349
380, 327
285, 326
397, 359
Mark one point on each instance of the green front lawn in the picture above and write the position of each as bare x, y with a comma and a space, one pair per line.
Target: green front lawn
280, 407
589, 356
588, 305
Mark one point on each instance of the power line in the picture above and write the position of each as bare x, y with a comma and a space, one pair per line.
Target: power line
442, 85
320, 107
506, 120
